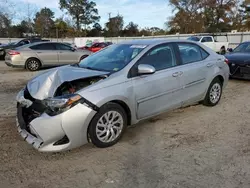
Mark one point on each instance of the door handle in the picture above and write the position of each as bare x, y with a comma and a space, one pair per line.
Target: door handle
176, 74
210, 64
39, 52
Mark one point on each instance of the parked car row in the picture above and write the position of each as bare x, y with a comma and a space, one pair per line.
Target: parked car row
96, 99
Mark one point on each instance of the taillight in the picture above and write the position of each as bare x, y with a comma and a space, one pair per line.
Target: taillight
226, 61
13, 52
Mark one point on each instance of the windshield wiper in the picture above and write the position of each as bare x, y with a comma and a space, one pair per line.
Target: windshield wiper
91, 68
75, 65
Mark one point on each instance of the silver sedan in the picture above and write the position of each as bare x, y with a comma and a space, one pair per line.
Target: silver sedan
43, 54
98, 98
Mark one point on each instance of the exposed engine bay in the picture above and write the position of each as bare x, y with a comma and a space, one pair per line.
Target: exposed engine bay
71, 87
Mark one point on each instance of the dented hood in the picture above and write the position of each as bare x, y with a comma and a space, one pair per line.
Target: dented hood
45, 85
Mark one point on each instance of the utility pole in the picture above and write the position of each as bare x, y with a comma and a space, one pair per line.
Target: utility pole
56, 34
109, 15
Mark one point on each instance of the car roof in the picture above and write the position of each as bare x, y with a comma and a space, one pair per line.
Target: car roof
152, 41
47, 42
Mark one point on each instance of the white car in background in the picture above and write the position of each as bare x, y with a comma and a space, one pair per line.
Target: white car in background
209, 41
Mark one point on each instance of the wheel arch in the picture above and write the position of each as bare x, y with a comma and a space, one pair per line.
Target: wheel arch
120, 102
125, 107
221, 78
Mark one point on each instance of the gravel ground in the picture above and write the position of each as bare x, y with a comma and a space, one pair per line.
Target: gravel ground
191, 147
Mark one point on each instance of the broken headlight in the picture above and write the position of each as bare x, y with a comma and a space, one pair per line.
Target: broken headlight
60, 104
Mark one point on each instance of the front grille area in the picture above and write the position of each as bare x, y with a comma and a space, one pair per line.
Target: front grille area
239, 70
26, 115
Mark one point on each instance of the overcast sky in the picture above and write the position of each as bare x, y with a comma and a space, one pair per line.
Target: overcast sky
146, 13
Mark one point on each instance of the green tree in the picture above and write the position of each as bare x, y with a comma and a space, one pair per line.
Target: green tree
131, 30
82, 11
145, 32
201, 15
96, 31
44, 24
114, 26
5, 24
61, 27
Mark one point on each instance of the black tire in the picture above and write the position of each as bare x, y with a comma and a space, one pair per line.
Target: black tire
2, 57
33, 64
208, 101
93, 125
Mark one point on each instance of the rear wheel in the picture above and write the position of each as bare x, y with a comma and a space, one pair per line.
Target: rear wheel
33, 64
108, 125
213, 93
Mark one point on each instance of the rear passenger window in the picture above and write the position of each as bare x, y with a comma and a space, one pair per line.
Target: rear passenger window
204, 54
44, 46
191, 53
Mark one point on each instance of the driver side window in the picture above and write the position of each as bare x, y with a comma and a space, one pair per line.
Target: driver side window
160, 57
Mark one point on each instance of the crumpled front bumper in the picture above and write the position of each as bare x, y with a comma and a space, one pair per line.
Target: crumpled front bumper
44, 131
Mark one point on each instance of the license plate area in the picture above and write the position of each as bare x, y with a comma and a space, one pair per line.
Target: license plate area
244, 70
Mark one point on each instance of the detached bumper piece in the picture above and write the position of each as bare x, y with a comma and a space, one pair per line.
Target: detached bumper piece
25, 131
240, 71
35, 142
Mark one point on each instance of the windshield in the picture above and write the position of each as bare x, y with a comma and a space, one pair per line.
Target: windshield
245, 47
13, 43
112, 58
24, 46
194, 39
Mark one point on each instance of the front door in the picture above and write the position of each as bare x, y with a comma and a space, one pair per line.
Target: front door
162, 90
66, 55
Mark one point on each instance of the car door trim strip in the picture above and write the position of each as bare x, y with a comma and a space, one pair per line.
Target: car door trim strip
158, 95
194, 83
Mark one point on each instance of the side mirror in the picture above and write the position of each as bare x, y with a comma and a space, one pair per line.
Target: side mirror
145, 69
230, 49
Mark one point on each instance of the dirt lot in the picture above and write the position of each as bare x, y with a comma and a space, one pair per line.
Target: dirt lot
192, 147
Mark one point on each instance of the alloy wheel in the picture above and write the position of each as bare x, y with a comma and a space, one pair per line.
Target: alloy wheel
215, 93
109, 126
33, 65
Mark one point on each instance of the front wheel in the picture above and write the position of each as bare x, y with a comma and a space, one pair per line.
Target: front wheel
213, 93
108, 125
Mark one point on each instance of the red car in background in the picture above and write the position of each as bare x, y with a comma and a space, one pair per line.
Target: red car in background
96, 46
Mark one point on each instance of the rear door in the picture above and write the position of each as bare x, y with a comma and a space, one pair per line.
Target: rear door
66, 55
47, 53
195, 69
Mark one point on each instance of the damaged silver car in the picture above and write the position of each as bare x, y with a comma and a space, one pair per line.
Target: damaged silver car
95, 100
